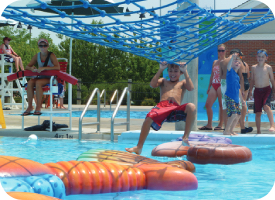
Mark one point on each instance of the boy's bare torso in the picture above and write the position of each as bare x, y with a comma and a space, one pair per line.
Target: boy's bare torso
173, 91
261, 75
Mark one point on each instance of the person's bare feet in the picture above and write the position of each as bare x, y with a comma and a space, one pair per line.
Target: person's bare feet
259, 133
272, 129
228, 133
63, 107
185, 142
233, 133
134, 150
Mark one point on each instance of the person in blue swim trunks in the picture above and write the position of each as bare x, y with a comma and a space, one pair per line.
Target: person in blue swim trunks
233, 94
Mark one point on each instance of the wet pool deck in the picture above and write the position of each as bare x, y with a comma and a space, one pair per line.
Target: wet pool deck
13, 128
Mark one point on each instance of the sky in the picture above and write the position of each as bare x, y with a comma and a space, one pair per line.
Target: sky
219, 4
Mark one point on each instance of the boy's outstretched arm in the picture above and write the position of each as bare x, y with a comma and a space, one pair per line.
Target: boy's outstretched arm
229, 66
156, 81
188, 82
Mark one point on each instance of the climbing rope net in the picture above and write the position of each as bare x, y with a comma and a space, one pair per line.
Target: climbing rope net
181, 34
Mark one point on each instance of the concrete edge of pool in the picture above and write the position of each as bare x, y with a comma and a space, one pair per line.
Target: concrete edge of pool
167, 136
133, 135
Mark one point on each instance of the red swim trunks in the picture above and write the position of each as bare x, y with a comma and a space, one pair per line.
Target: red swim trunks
166, 111
262, 96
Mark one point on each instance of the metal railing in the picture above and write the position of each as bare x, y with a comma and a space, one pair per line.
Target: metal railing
116, 110
103, 92
115, 94
96, 90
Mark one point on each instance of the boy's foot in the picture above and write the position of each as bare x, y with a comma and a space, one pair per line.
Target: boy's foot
272, 129
134, 150
185, 143
228, 133
63, 107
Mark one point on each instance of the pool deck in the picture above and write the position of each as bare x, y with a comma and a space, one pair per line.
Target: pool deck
13, 128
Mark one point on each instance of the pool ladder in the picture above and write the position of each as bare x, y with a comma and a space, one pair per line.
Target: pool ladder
96, 91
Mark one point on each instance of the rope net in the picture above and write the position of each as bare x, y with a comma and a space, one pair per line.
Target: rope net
178, 35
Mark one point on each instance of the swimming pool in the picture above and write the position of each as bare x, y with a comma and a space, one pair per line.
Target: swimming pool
251, 180
142, 114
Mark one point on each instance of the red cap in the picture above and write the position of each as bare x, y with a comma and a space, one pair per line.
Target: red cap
6, 38
42, 40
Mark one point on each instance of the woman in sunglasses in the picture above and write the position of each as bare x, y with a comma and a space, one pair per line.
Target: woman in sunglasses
46, 61
10, 55
214, 91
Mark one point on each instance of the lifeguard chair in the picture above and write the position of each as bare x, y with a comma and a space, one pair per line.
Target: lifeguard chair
51, 89
63, 67
6, 87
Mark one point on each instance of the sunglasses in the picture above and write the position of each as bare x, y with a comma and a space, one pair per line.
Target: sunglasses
41, 46
221, 50
9, 40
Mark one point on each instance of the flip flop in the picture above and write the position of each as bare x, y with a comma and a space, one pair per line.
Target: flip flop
218, 128
205, 128
26, 113
37, 113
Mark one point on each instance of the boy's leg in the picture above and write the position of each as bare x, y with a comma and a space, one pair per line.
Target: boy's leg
190, 111
225, 117
258, 122
270, 117
143, 135
229, 124
242, 117
235, 121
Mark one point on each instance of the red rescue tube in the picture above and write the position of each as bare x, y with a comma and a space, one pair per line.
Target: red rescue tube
62, 75
165, 177
218, 154
170, 149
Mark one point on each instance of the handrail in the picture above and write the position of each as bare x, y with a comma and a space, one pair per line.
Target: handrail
115, 112
116, 92
96, 90
103, 92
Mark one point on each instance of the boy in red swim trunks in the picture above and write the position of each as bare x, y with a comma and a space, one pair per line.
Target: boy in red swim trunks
261, 75
169, 108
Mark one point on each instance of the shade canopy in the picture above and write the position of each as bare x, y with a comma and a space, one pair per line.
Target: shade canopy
65, 6
6, 22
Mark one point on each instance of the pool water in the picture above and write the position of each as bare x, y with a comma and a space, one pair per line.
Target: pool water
202, 116
251, 180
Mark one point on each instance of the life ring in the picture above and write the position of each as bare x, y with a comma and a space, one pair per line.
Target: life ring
218, 154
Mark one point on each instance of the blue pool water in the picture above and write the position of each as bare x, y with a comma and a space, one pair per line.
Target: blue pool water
251, 180
142, 114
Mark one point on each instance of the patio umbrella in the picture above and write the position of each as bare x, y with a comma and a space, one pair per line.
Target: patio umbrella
76, 11
6, 22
